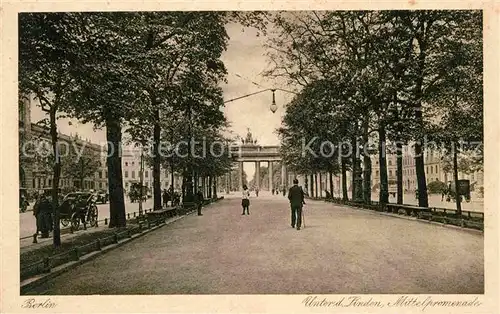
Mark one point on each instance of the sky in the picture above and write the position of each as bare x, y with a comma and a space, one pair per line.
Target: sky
244, 59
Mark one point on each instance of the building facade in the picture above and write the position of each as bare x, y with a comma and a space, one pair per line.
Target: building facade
434, 168
131, 172
35, 174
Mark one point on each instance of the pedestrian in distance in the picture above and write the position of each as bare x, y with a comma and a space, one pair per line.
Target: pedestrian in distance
296, 198
199, 200
272, 192
245, 200
165, 197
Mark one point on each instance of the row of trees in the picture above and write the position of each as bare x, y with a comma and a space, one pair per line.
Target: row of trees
375, 81
152, 74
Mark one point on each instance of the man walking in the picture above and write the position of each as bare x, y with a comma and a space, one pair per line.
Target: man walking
296, 198
199, 200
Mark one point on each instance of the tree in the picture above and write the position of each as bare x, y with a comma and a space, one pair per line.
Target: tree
80, 164
106, 90
433, 37
460, 95
47, 46
179, 64
393, 60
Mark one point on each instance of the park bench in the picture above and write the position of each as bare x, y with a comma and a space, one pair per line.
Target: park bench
468, 218
157, 214
406, 209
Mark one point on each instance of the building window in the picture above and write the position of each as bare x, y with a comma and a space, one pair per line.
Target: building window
133, 174
100, 174
147, 184
133, 163
126, 164
100, 185
146, 173
431, 170
126, 184
390, 162
33, 183
126, 174
105, 174
376, 173
390, 173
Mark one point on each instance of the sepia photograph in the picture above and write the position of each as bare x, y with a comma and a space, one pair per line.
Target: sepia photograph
333, 156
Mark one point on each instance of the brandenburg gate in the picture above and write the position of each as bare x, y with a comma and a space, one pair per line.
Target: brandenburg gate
249, 151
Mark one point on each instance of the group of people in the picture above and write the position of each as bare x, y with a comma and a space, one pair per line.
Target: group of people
295, 197
172, 196
175, 198
277, 191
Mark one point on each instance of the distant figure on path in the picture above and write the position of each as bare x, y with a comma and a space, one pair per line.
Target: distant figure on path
245, 200
257, 192
165, 198
284, 191
272, 192
296, 197
199, 200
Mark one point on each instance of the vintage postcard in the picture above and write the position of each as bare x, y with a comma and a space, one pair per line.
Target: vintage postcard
256, 157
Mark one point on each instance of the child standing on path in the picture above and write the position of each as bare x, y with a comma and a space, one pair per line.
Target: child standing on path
245, 200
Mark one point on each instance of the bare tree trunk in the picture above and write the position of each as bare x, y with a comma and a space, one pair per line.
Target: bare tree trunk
55, 180
115, 179
345, 196
312, 185
423, 200
156, 160
399, 172
320, 185
215, 182
330, 174
458, 197
172, 177
355, 170
316, 184
384, 188
367, 166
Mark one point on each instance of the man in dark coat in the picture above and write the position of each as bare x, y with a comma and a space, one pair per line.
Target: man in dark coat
296, 198
199, 200
166, 197
43, 214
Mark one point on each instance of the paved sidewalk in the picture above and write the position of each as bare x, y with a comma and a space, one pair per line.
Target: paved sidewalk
340, 251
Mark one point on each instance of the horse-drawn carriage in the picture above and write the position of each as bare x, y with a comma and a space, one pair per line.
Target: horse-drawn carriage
78, 207
137, 192
175, 197
463, 190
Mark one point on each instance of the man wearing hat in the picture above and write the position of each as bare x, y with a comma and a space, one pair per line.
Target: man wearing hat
296, 198
199, 200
